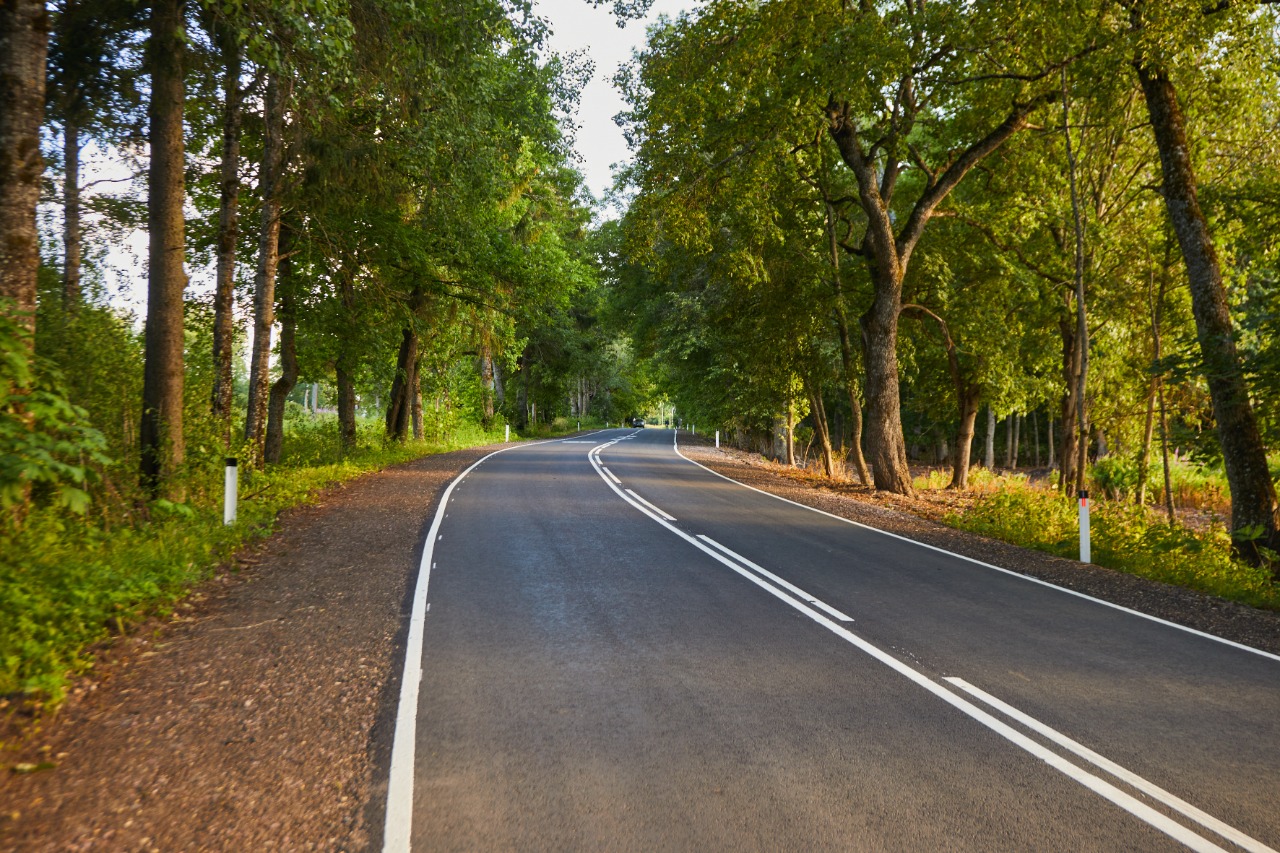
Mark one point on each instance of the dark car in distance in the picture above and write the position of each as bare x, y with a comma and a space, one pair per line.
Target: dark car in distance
637, 422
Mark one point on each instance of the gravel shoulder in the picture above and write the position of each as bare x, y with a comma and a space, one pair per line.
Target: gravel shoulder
260, 718
1226, 619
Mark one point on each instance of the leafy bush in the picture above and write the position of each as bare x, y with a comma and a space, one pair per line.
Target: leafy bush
46, 444
1124, 537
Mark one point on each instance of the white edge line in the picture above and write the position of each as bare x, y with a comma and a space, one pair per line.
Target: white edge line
978, 562
771, 576
1094, 783
398, 825
1154, 791
666, 515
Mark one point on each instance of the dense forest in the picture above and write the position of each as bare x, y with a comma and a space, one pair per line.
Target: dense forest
855, 236
384, 189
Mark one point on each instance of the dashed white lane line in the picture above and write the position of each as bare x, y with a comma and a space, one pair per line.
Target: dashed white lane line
977, 562
1152, 790
804, 596
666, 515
1094, 783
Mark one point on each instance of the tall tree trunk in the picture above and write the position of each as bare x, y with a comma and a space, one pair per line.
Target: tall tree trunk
346, 407
228, 233
1035, 435
989, 452
273, 444
1253, 496
1164, 452
71, 239
400, 404
1008, 439
789, 433
884, 415
968, 405
1082, 327
268, 260
416, 411
823, 433
1053, 462
1017, 435
1068, 441
1157, 312
161, 443
1144, 452
522, 392
486, 381
346, 365
24, 44
846, 353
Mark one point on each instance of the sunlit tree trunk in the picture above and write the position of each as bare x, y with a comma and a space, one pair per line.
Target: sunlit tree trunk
823, 434
1255, 516
989, 452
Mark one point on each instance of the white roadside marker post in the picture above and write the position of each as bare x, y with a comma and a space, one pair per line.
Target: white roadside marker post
1085, 550
717, 438
229, 491
506, 436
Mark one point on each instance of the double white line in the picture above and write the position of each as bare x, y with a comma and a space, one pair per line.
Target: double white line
824, 615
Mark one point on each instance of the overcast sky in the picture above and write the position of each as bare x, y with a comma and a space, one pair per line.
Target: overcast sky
578, 26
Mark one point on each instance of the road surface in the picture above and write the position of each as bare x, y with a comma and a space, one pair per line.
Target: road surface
619, 649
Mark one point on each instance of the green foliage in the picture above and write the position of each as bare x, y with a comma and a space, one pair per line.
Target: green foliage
46, 443
66, 586
1123, 537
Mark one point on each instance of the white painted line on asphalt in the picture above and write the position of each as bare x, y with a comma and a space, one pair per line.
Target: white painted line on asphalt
771, 576
1098, 785
995, 568
666, 515
398, 825
1152, 790
611, 477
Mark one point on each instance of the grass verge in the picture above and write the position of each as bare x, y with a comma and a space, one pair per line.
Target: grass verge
67, 584
1124, 537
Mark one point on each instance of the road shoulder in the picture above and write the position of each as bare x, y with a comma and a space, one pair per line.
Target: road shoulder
261, 716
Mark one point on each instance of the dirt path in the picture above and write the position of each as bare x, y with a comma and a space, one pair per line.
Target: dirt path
257, 720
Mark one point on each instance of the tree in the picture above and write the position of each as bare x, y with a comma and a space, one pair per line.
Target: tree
1255, 514
162, 444
24, 40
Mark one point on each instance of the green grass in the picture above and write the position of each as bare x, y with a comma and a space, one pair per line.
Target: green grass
69, 582
1124, 537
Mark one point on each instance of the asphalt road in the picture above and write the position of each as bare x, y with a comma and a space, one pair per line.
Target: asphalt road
622, 650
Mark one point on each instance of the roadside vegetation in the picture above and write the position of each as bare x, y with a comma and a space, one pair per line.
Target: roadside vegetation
1039, 238
977, 237
367, 242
